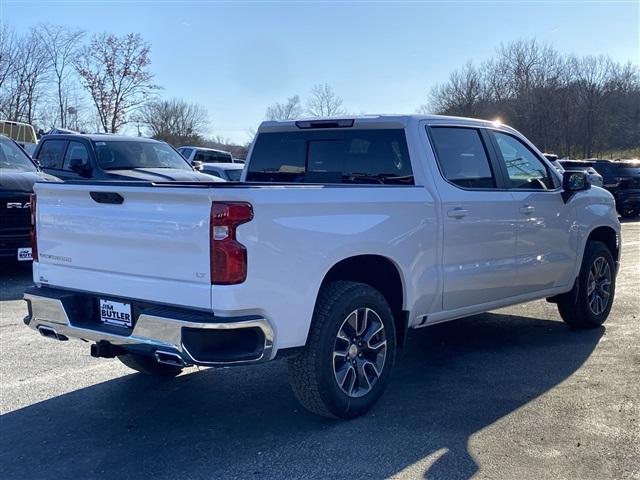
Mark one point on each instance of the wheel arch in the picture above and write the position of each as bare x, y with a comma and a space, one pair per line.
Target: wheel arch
608, 236
381, 273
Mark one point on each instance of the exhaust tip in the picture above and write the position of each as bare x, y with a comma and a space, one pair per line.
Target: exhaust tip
169, 358
51, 333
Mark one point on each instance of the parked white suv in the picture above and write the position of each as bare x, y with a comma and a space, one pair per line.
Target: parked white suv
348, 233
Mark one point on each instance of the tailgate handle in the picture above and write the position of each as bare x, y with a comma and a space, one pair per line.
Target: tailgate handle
107, 197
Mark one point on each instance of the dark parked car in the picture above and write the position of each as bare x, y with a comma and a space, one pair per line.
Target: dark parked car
18, 173
583, 166
113, 157
622, 179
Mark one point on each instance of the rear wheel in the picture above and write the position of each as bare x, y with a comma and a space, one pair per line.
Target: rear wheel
149, 365
589, 303
350, 352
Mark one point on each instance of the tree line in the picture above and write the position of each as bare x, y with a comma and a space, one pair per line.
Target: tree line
573, 106
56, 76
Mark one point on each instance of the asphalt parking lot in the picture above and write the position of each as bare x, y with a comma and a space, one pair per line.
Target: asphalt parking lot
508, 394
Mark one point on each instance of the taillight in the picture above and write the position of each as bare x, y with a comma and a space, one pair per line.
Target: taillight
34, 238
228, 256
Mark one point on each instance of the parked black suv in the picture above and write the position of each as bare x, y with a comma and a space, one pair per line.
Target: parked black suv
622, 179
17, 176
113, 157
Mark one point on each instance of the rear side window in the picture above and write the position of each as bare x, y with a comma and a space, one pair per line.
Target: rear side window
374, 157
52, 153
462, 157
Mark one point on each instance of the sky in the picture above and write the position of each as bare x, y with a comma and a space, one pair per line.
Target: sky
237, 58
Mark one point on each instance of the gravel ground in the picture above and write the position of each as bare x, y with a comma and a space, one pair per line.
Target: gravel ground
508, 394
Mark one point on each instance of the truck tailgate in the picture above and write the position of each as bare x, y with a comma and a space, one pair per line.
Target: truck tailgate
153, 246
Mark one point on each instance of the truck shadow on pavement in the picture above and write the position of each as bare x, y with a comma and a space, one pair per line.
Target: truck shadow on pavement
453, 380
15, 278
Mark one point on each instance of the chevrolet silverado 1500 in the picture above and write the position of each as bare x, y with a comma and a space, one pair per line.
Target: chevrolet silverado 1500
343, 236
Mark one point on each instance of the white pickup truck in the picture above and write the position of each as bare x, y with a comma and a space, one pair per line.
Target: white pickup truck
345, 234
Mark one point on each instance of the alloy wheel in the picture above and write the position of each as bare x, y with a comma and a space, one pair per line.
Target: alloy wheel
599, 286
359, 352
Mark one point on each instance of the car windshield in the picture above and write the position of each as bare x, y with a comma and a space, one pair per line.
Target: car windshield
12, 157
234, 175
131, 154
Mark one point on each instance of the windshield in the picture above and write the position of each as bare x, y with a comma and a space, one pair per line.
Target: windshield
12, 157
130, 154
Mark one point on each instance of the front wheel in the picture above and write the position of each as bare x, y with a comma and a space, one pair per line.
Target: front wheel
350, 352
589, 303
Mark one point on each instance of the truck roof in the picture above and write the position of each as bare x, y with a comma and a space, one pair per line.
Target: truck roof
99, 137
205, 148
374, 121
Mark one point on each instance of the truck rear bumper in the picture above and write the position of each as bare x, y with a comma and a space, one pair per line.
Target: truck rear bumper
197, 338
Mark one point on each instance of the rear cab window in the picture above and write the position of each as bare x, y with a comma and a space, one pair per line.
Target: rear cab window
359, 156
205, 156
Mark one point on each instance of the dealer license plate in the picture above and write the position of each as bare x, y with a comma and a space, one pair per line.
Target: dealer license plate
115, 313
24, 254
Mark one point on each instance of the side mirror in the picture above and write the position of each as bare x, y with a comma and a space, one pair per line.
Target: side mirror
573, 182
80, 167
197, 165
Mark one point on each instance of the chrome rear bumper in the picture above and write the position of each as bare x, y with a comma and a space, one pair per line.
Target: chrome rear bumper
155, 329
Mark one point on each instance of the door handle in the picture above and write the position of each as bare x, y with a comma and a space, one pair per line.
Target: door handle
457, 212
527, 209
107, 197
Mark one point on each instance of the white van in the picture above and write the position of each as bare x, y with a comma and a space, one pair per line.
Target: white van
23, 134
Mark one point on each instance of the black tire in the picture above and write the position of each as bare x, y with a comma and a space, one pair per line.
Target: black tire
148, 365
574, 306
312, 373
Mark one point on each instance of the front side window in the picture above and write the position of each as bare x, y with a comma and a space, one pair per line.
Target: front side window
375, 157
525, 169
52, 153
462, 157
75, 151
13, 158
129, 154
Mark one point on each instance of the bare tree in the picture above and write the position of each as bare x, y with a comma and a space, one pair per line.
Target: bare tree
323, 102
289, 110
25, 73
61, 45
592, 88
564, 104
462, 95
115, 72
8, 58
175, 121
